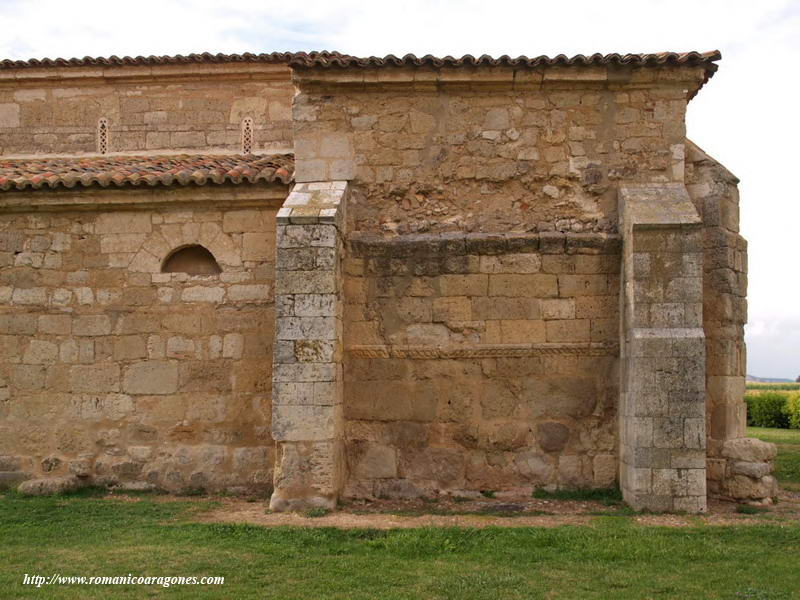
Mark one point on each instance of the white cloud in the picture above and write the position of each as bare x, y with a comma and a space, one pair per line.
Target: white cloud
746, 116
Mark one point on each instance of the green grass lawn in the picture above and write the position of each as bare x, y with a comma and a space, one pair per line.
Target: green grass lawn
787, 464
615, 558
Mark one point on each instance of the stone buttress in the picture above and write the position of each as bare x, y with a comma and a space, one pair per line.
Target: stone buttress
307, 361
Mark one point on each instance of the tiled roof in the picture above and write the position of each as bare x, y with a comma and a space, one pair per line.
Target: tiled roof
334, 59
123, 171
337, 59
117, 61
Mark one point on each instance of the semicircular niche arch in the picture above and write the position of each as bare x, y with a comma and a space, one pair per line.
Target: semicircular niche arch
193, 260
163, 243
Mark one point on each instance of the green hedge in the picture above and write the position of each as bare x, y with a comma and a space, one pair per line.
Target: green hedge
793, 410
773, 409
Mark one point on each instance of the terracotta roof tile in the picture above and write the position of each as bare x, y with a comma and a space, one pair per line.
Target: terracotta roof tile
334, 59
337, 59
123, 171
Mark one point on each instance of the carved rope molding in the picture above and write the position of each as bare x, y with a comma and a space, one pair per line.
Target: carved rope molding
484, 351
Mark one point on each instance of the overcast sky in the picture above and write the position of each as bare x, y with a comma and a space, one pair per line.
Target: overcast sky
747, 116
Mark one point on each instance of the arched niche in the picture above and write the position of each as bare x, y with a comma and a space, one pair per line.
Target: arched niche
194, 260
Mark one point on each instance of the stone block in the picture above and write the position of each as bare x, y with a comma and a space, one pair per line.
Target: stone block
316, 305
373, 461
55, 324
123, 222
306, 282
29, 296
518, 331
300, 372
574, 471
304, 236
445, 467
742, 487
18, 324
511, 263
463, 285
40, 352
316, 351
307, 328
552, 436
582, 285
754, 470
9, 114
113, 243
11, 479
538, 285
502, 308
49, 486
749, 450
604, 470
296, 422
99, 377
248, 220
557, 308
307, 475
535, 467
572, 330
250, 293
452, 308
153, 377
257, 247
203, 294
91, 325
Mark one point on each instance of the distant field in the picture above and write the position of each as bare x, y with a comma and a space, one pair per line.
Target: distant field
756, 386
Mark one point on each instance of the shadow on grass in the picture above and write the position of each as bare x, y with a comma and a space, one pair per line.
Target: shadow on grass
605, 496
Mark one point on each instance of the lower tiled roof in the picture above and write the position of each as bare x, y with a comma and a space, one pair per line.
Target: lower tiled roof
123, 171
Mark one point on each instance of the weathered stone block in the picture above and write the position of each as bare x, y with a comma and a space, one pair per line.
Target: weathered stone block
552, 436
373, 461
151, 377
523, 285
294, 423
49, 486
91, 325
98, 377
749, 450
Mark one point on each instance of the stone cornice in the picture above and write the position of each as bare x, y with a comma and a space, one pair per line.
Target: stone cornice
209, 196
99, 75
470, 78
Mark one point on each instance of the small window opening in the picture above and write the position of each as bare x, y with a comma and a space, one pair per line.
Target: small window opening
102, 136
247, 136
194, 260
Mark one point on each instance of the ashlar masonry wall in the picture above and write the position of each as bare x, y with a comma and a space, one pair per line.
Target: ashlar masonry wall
489, 149
147, 109
117, 372
480, 362
482, 270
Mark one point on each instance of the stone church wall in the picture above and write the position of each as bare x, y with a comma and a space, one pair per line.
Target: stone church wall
482, 275
481, 362
111, 368
488, 154
193, 108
